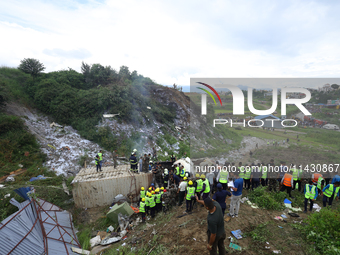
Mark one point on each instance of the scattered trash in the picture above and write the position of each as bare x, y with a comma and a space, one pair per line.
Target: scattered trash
278, 218
293, 214
292, 208
7, 195
267, 247
280, 227
231, 238
227, 219
286, 201
294, 221
124, 238
2, 186
284, 216
80, 251
20, 165
237, 233
110, 240
95, 240
317, 207
194, 239
235, 246
110, 229
149, 225
39, 177
277, 251
123, 244
244, 199
148, 107
123, 233
267, 243
253, 205
10, 179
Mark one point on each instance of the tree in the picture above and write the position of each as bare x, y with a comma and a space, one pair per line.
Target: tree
335, 86
31, 66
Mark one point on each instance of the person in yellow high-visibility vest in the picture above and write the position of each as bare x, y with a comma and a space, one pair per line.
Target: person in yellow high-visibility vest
330, 192
222, 178
311, 193
142, 208
241, 171
296, 176
247, 176
100, 154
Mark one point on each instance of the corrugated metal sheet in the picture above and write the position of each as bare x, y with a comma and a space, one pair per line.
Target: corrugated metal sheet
22, 233
91, 189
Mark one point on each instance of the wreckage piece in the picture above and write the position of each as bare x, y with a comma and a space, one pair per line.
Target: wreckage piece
39, 227
123, 209
110, 240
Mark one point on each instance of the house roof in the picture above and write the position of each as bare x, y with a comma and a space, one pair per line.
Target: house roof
39, 227
260, 117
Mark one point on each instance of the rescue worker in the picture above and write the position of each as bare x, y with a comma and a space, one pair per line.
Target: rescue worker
315, 178
177, 170
247, 176
221, 197
272, 183
98, 164
142, 193
296, 176
222, 178
311, 193
152, 204
199, 186
165, 177
158, 197
206, 187
241, 170
264, 179
321, 183
133, 163
181, 190
182, 172
142, 209
114, 156
100, 154
147, 203
330, 192
190, 195
287, 183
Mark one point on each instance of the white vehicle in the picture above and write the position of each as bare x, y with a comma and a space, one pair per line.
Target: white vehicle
331, 126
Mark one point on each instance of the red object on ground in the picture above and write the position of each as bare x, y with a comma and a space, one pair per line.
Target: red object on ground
136, 210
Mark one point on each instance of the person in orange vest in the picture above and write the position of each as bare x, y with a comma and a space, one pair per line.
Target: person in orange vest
315, 178
287, 183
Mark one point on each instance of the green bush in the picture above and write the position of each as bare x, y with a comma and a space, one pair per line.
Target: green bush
323, 229
267, 200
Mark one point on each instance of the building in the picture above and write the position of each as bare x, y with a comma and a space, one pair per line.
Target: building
268, 121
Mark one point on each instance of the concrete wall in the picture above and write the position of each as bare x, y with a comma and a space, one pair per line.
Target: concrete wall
101, 192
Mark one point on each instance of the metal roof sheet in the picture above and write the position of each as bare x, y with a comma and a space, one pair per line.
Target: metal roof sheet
39, 227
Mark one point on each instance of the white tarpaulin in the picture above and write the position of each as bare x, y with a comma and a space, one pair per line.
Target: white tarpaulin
187, 163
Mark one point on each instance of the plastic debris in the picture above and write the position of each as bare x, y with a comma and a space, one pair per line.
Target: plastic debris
244, 199
110, 229
235, 246
267, 243
278, 218
280, 227
80, 251
286, 201
317, 207
123, 233
277, 251
123, 244
293, 214
237, 233
154, 232
7, 195
10, 179
284, 216
2, 186
110, 240
292, 208
267, 247
95, 240
252, 205
194, 239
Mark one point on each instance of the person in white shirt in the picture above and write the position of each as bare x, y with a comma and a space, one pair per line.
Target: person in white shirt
210, 176
181, 190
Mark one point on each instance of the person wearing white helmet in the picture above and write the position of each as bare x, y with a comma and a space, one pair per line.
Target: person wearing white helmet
165, 177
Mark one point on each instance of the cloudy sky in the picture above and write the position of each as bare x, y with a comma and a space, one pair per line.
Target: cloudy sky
171, 41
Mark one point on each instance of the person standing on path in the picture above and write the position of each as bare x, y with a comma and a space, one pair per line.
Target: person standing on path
237, 194
114, 156
140, 164
216, 232
100, 154
221, 197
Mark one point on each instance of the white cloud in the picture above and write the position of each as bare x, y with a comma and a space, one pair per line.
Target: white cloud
173, 41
